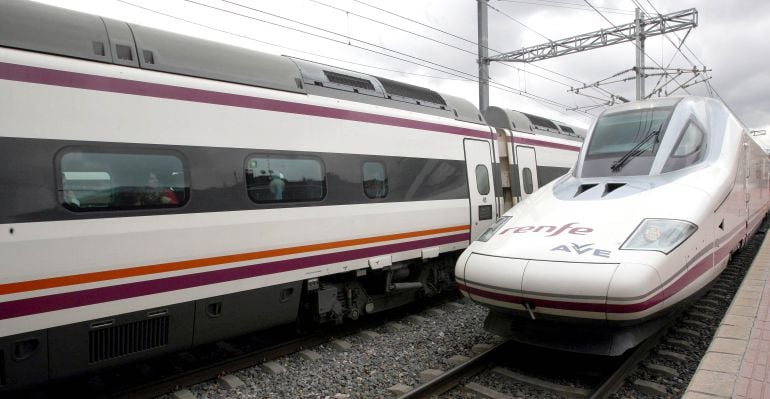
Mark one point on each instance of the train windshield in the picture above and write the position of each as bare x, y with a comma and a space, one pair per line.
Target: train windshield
625, 144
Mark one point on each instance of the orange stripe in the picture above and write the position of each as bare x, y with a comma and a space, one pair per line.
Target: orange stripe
63, 281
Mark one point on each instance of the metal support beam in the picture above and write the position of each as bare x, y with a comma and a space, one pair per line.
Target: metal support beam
639, 55
483, 53
652, 26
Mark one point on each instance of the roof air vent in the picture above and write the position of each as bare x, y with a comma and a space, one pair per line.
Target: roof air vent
410, 91
540, 121
348, 80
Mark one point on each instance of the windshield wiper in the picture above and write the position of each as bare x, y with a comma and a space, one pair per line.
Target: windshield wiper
638, 149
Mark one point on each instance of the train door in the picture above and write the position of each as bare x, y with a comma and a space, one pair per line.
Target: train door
482, 198
527, 164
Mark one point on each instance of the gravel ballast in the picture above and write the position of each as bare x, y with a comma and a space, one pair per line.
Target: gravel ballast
371, 366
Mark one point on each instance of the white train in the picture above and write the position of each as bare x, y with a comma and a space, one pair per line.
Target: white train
161, 191
663, 192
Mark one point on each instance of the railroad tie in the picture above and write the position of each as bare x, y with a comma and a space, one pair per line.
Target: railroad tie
650, 388
480, 391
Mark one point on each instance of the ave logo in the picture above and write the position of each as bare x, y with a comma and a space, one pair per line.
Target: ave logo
583, 249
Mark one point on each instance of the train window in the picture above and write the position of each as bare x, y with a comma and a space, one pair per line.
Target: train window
689, 150
482, 179
97, 181
527, 173
375, 180
625, 143
279, 178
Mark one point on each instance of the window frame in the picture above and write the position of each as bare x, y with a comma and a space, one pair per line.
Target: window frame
699, 147
385, 179
286, 156
486, 181
670, 165
527, 172
120, 150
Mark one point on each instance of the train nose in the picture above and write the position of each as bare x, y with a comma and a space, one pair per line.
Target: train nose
539, 287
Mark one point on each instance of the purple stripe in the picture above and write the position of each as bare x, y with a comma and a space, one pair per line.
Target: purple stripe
540, 143
706, 263
50, 303
23, 73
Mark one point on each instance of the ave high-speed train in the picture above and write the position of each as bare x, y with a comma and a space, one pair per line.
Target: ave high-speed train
160, 191
663, 192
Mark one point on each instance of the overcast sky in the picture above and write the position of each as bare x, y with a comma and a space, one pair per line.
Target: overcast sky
431, 43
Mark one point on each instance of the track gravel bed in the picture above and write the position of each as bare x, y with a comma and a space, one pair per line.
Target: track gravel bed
371, 366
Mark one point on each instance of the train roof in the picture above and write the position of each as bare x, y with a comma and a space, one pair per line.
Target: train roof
38, 27
533, 124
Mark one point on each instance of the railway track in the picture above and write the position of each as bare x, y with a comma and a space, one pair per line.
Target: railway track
493, 362
159, 376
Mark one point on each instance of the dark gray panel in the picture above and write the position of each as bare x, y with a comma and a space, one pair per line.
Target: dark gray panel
69, 345
545, 175
23, 359
29, 191
464, 110
121, 40
236, 314
185, 55
401, 91
38, 27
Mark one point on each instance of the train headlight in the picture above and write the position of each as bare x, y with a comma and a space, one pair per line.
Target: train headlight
662, 235
491, 230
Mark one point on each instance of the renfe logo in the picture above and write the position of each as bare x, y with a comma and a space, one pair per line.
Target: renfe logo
581, 231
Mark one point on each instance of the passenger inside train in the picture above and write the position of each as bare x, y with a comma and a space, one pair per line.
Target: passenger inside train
154, 194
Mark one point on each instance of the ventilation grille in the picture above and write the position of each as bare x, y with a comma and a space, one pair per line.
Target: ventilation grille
540, 121
567, 129
583, 188
348, 80
111, 342
610, 187
410, 91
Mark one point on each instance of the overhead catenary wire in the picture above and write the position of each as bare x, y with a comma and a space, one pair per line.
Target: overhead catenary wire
568, 5
600, 89
475, 77
463, 39
635, 45
462, 78
461, 75
445, 44
519, 22
709, 87
585, 86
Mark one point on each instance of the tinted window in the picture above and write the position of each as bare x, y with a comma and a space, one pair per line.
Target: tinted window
375, 180
272, 178
616, 135
689, 150
527, 174
482, 179
690, 142
93, 181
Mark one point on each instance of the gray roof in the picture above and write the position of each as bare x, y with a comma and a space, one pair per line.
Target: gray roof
38, 27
